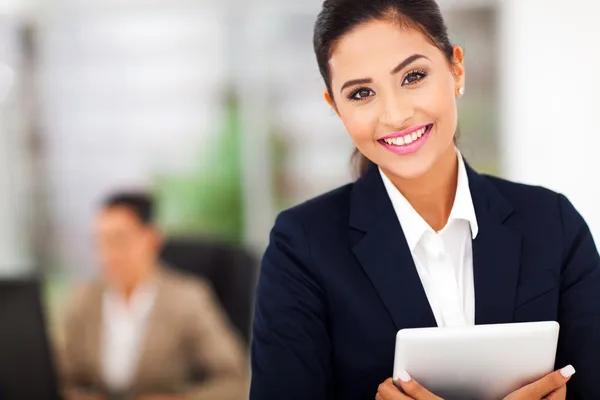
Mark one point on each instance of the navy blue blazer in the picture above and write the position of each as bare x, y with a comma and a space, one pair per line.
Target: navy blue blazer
338, 281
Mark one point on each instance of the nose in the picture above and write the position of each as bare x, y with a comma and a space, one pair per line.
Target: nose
397, 109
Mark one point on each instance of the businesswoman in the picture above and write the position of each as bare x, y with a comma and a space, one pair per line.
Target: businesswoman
420, 239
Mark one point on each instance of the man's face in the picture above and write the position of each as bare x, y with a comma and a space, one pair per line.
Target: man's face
126, 246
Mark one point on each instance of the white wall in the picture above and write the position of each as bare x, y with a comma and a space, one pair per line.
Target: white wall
551, 98
126, 92
15, 177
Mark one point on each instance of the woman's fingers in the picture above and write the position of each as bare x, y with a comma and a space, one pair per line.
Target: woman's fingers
414, 389
545, 386
388, 391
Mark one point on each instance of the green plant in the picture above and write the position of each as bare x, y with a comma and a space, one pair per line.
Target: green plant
208, 201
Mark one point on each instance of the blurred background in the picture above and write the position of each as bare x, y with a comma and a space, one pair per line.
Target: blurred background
216, 107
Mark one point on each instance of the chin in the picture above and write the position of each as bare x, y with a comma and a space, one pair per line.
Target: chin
411, 169
411, 173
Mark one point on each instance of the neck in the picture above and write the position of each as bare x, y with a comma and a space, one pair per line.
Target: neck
128, 288
432, 194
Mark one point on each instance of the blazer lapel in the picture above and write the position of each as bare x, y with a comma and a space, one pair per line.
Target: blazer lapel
496, 254
153, 336
380, 247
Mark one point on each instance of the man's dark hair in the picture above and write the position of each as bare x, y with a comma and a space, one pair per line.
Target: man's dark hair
140, 204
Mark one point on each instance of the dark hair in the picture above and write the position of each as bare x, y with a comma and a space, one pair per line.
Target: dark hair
140, 204
339, 17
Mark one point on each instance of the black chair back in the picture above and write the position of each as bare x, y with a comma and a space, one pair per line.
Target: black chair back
232, 271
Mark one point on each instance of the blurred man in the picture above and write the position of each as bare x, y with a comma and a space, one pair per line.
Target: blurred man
147, 332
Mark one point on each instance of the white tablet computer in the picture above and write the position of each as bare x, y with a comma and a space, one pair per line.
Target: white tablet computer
477, 362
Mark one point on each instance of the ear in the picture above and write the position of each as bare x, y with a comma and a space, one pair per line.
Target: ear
458, 67
329, 101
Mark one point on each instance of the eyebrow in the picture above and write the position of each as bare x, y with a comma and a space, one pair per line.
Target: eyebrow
407, 62
356, 82
397, 69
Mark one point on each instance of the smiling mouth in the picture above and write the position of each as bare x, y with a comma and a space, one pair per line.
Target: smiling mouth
408, 138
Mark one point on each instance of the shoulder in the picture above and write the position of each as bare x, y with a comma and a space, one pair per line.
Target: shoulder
523, 195
83, 297
300, 231
87, 292
187, 288
537, 202
329, 209
190, 300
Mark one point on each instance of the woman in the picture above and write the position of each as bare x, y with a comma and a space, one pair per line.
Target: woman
420, 239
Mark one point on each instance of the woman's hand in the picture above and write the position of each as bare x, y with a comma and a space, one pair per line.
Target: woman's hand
414, 391
551, 387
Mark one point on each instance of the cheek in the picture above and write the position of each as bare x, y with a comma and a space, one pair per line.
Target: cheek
436, 103
443, 100
360, 122
435, 100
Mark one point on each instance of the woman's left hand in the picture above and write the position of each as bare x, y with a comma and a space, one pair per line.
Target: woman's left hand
414, 391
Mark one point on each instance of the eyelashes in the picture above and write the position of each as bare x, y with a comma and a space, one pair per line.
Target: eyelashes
360, 94
414, 76
411, 78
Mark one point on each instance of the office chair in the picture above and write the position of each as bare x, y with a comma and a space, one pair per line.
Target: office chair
27, 367
231, 270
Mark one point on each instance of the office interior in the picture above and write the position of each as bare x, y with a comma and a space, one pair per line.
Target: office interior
216, 108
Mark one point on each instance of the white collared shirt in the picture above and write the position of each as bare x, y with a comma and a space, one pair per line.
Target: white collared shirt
123, 330
444, 259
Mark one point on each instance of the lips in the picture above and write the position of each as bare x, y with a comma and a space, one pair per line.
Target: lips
409, 136
408, 141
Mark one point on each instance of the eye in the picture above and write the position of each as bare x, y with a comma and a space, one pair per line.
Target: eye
361, 94
414, 77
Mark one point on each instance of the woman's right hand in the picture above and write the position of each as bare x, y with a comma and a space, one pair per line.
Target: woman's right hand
551, 387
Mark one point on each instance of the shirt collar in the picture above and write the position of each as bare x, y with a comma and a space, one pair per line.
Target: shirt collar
414, 226
141, 298
463, 202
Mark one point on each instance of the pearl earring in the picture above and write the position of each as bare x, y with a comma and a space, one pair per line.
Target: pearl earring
461, 91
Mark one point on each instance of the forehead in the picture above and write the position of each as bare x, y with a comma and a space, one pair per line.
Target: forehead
375, 46
117, 217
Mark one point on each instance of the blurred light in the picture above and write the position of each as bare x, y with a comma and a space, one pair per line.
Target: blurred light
6, 80
16, 7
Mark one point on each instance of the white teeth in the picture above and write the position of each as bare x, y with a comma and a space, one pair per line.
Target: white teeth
399, 141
